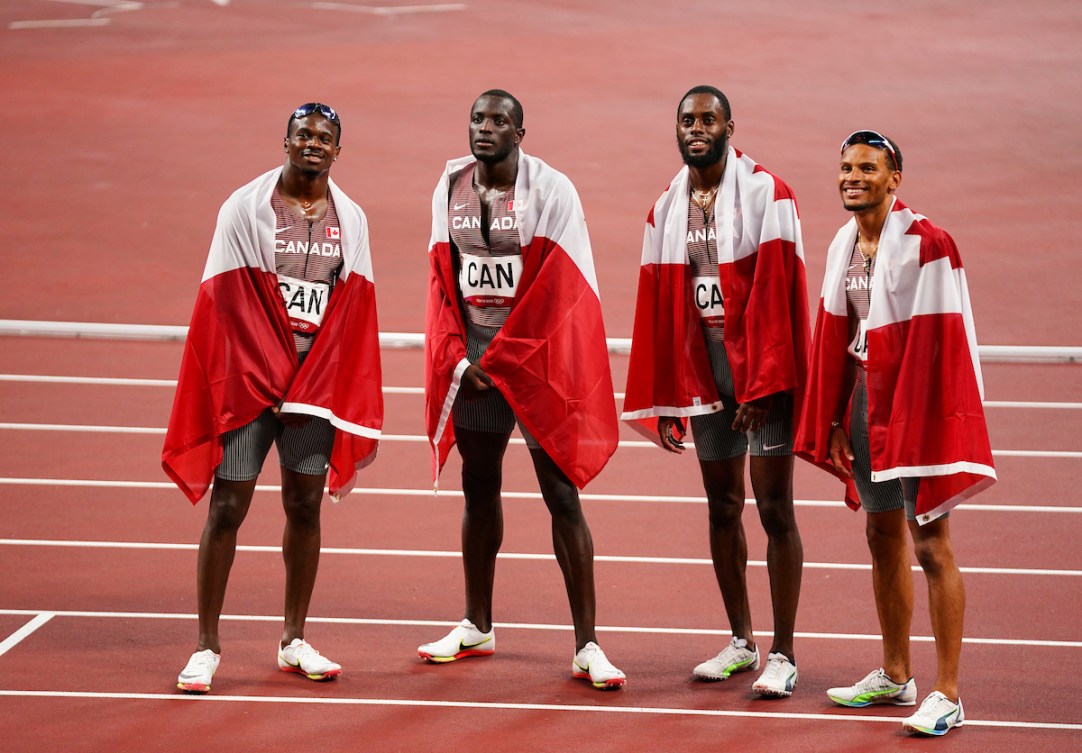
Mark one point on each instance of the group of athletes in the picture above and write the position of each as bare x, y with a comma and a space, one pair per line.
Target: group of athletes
284, 349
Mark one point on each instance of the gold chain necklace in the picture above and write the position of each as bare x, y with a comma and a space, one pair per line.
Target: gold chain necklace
869, 258
703, 198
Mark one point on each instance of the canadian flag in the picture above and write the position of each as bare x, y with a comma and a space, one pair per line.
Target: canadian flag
334, 233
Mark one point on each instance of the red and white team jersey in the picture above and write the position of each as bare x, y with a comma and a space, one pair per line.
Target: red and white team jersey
858, 295
489, 254
705, 277
308, 260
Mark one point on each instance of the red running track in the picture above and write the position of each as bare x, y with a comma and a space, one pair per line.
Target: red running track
130, 134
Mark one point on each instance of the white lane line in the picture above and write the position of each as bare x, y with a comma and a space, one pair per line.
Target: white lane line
479, 705
59, 23
139, 382
651, 630
15, 638
521, 556
418, 438
392, 10
457, 493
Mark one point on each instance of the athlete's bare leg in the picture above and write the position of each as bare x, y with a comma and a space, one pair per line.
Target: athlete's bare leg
723, 481
229, 503
302, 496
482, 518
573, 544
772, 481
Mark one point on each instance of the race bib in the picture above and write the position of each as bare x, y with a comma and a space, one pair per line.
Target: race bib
706, 292
489, 280
859, 347
305, 302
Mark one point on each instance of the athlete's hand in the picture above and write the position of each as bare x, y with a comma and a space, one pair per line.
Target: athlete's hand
475, 382
841, 452
752, 414
671, 431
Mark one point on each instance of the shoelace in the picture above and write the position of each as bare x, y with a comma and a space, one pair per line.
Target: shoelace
775, 670
876, 681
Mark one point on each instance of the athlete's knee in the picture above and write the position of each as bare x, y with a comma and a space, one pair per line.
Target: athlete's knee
481, 488
886, 533
228, 507
724, 508
302, 508
777, 516
934, 554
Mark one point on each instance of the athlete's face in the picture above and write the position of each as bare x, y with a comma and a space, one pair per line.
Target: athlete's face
311, 144
867, 178
702, 130
493, 133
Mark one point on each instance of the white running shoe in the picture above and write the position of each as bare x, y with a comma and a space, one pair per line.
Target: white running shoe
734, 658
300, 657
778, 679
938, 715
877, 687
591, 664
198, 672
465, 640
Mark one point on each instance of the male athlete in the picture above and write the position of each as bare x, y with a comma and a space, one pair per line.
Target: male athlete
720, 339
283, 349
893, 407
514, 334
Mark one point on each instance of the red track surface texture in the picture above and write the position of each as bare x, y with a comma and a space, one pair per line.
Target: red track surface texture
125, 136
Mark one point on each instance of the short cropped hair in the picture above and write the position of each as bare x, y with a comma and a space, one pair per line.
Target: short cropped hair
516, 106
705, 89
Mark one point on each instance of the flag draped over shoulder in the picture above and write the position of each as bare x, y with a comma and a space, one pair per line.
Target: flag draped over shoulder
763, 284
239, 358
550, 359
925, 415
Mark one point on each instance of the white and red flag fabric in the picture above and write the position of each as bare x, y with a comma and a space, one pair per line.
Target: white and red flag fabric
925, 392
763, 284
239, 357
550, 358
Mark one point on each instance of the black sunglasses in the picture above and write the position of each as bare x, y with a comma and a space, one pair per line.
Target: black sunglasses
873, 139
317, 107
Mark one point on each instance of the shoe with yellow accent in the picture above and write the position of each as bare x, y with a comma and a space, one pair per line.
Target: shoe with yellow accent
736, 657
591, 664
938, 715
465, 640
300, 657
198, 672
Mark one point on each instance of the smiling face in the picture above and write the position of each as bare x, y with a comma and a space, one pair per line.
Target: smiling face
867, 178
494, 134
312, 145
702, 130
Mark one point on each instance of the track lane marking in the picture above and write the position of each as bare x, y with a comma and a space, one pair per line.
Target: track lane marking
505, 706
520, 556
13, 640
650, 630
595, 497
144, 382
421, 439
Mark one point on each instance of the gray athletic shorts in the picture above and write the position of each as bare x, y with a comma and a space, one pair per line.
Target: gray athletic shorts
875, 496
490, 412
305, 449
715, 438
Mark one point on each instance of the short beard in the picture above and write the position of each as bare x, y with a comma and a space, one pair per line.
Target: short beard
712, 157
857, 207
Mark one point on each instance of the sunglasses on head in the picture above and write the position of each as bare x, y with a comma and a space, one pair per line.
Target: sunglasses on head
317, 108
873, 139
